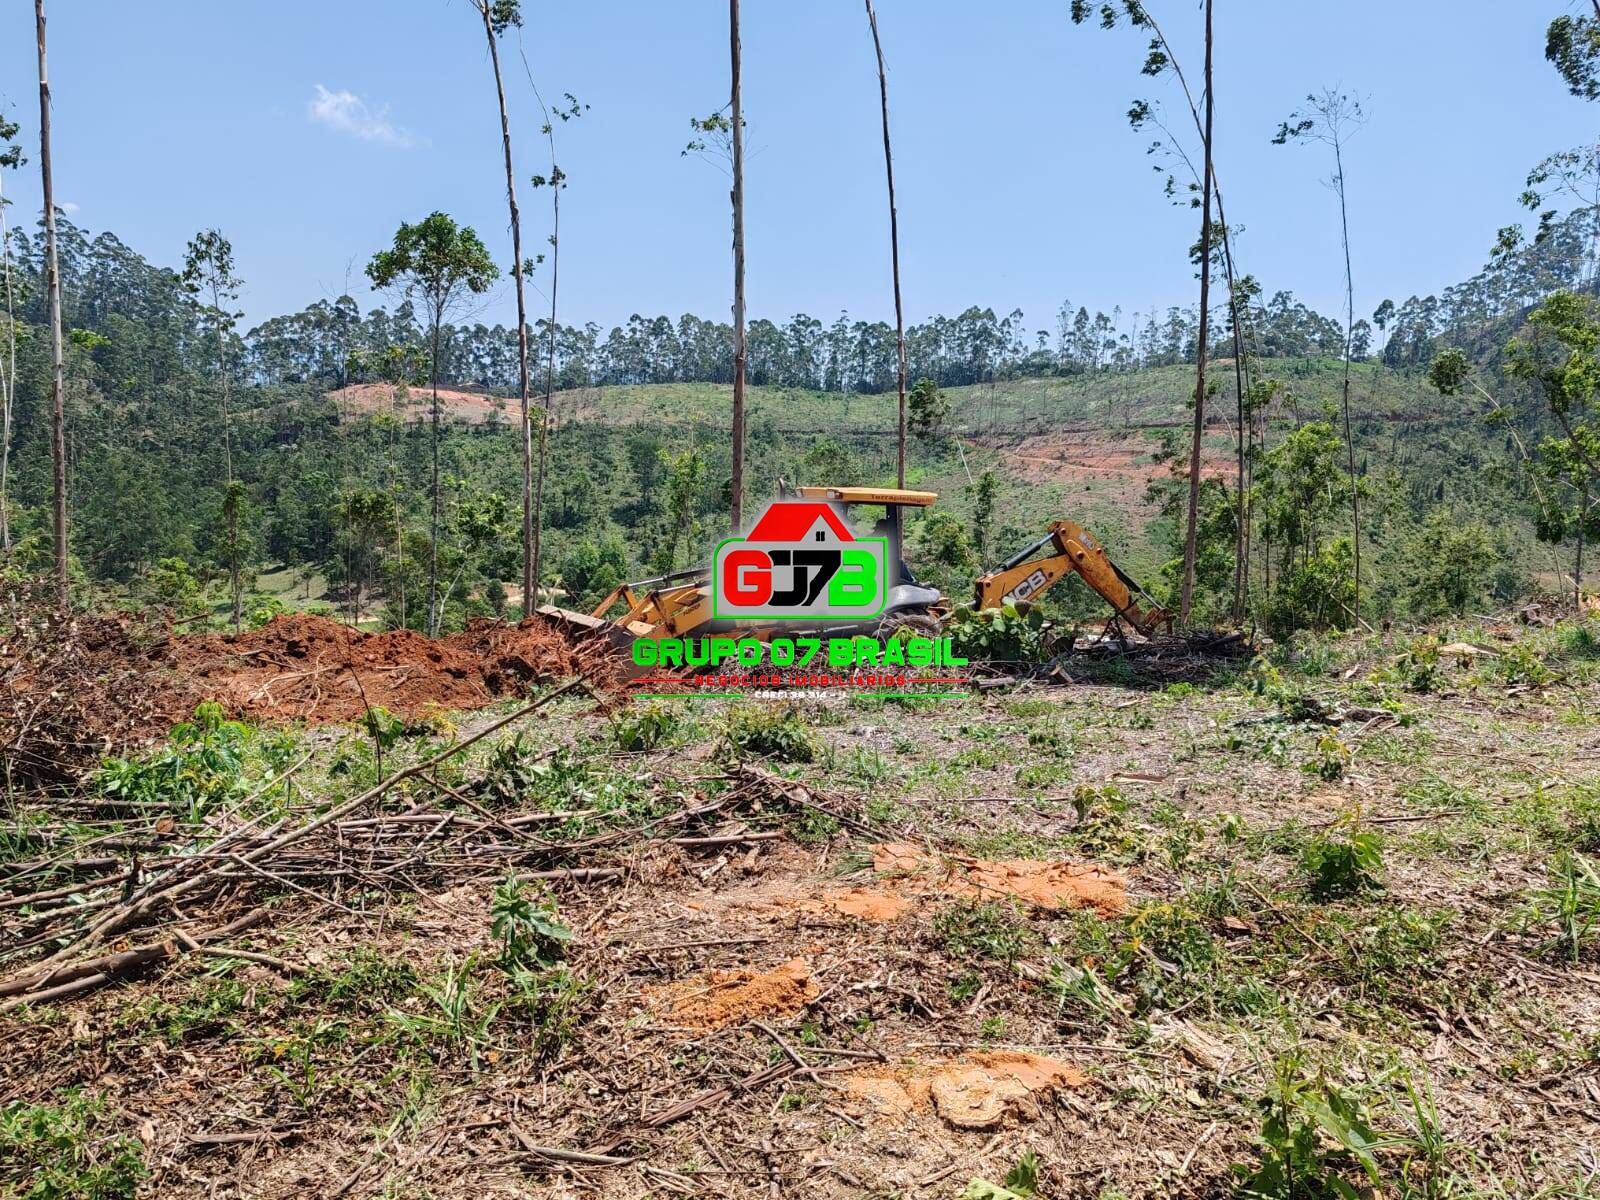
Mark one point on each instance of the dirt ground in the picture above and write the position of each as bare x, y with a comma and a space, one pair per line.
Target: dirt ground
871, 948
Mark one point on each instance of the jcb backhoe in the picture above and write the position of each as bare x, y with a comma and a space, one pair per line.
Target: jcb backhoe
679, 605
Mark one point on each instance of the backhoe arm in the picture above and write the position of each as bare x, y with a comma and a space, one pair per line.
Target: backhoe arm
1070, 547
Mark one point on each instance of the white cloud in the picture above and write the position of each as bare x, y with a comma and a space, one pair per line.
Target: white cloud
349, 113
68, 207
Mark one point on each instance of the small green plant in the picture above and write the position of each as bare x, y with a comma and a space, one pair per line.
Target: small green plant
554, 1004
385, 729
1313, 1138
67, 1151
1571, 903
1022, 1183
988, 930
1580, 639
453, 1018
777, 732
1338, 866
530, 936
646, 728
1329, 760
512, 770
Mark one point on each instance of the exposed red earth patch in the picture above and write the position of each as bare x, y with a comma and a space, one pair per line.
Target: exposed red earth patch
1050, 885
975, 1092
734, 997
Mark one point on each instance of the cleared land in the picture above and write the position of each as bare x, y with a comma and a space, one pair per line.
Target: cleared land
866, 948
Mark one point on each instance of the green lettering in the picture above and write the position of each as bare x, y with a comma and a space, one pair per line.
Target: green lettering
855, 584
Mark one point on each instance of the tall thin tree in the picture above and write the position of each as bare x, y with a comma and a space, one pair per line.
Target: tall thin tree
440, 262
894, 258
498, 16
10, 159
208, 275
58, 367
1331, 118
1191, 527
556, 181
736, 484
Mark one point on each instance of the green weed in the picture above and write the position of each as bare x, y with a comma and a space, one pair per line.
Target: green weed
988, 930
67, 1151
1338, 866
777, 732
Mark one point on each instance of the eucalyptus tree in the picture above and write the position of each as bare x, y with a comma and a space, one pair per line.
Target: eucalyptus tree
438, 264
719, 138
498, 16
1160, 58
208, 276
556, 181
10, 159
736, 136
1572, 44
58, 365
894, 258
1331, 118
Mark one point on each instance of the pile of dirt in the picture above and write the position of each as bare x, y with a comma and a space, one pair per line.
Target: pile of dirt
310, 668
75, 689
976, 1092
1049, 885
734, 997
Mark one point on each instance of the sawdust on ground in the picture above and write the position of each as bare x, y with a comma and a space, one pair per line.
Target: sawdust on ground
1049, 885
975, 1092
733, 997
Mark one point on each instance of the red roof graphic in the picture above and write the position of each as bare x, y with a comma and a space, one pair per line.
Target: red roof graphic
790, 521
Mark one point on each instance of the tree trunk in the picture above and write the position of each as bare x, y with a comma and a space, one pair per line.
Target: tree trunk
529, 577
433, 515
222, 374
894, 259
550, 361
58, 434
9, 384
1186, 599
1577, 572
1349, 326
737, 196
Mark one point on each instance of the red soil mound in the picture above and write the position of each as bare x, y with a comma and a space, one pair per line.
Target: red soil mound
734, 997
300, 667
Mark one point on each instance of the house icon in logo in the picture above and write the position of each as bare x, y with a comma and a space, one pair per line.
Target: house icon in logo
800, 561
801, 521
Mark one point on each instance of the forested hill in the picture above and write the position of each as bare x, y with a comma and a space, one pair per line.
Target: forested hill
639, 460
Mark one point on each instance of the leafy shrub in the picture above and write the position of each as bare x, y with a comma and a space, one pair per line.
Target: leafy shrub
530, 936
777, 732
1318, 592
1338, 867
512, 770
196, 773
68, 1151
1312, 1137
1519, 663
1010, 633
647, 728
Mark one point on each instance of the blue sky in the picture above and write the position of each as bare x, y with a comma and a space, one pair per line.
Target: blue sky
308, 131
